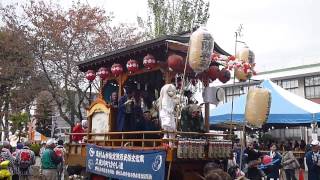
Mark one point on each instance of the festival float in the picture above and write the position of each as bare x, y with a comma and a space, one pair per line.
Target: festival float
162, 70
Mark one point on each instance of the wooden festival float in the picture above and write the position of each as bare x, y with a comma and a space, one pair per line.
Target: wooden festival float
150, 64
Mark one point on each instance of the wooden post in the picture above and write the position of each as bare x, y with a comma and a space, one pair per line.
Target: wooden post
206, 116
206, 108
169, 170
121, 80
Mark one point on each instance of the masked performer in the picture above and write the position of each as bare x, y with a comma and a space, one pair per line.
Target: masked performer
167, 103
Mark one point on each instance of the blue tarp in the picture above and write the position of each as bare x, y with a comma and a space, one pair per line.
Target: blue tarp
286, 108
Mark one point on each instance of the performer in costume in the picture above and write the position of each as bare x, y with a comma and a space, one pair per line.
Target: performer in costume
191, 119
167, 102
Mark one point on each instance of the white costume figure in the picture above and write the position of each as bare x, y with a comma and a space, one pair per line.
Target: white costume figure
167, 103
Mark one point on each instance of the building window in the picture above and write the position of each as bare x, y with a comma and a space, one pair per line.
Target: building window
291, 85
312, 87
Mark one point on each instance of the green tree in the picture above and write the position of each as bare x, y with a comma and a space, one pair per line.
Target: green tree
174, 16
19, 124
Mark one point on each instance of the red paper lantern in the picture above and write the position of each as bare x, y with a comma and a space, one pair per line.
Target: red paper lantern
132, 66
116, 69
175, 62
224, 75
103, 73
213, 72
149, 61
90, 75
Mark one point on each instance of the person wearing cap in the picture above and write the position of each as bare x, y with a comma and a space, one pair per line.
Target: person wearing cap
313, 161
50, 161
25, 158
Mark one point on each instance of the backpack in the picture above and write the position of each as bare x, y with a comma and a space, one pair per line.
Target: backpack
59, 151
24, 159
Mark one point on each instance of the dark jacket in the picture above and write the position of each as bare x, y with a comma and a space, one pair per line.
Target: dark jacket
313, 168
128, 121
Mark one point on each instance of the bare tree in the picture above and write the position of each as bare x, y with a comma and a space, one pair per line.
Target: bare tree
174, 16
59, 39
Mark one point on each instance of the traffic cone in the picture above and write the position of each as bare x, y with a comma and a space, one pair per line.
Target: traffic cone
301, 174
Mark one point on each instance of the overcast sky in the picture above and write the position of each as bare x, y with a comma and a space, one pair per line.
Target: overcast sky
282, 33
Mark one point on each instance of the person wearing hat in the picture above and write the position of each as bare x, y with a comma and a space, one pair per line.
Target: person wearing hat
313, 161
50, 161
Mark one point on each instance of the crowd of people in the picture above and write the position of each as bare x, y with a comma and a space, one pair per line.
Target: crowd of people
21, 159
258, 165
294, 144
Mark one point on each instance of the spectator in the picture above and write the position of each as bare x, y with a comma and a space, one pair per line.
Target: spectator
50, 161
6, 155
78, 129
60, 152
313, 161
255, 145
289, 163
302, 145
290, 143
296, 145
253, 159
276, 162
25, 158
43, 147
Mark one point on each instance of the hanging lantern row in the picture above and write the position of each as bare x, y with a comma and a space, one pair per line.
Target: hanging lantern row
116, 69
